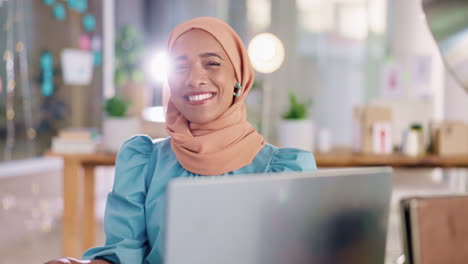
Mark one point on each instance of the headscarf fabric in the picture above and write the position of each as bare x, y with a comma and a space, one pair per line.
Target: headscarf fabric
229, 142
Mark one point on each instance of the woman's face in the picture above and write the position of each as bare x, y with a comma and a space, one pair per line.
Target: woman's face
202, 79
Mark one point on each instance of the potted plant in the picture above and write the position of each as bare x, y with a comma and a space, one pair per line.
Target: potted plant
129, 78
117, 125
123, 111
295, 129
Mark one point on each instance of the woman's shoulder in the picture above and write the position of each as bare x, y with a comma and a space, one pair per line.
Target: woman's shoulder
142, 145
139, 149
290, 159
135, 159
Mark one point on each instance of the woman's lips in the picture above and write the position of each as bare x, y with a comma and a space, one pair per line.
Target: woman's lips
199, 98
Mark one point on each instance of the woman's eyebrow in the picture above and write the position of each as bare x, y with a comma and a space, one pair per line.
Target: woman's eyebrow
210, 54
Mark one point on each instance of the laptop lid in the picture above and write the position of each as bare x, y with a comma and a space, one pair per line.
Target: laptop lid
328, 216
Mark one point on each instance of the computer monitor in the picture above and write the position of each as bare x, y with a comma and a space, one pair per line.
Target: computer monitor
328, 216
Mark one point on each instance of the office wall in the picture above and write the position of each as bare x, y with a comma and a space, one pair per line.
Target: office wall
409, 38
337, 75
455, 100
83, 102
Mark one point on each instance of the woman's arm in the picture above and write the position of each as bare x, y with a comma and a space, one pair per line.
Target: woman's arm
76, 261
124, 218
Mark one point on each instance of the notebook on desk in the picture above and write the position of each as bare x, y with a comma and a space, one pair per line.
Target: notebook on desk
435, 229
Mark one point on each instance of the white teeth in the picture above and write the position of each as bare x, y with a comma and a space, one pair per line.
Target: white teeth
199, 97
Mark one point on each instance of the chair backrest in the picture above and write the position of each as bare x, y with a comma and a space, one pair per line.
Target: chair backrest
436, 229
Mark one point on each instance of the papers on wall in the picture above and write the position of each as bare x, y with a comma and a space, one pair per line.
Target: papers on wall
77, 66
421, 73
392, 80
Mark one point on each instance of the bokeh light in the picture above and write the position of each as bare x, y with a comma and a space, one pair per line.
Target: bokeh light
266, 51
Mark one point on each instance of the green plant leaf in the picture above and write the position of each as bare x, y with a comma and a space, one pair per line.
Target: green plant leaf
121, 77
138, 76
297, 110
128, 55
116, 107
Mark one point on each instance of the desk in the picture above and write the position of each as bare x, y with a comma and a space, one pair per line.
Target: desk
394, 160
78, 221
79, 231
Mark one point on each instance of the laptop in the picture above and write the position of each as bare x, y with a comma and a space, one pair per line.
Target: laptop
328, 216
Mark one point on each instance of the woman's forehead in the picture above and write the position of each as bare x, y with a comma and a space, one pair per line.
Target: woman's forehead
194, 42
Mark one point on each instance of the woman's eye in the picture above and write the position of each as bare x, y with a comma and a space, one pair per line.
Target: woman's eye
180, 67
213, 63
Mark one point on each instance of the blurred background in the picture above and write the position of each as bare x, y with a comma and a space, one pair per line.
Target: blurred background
334, 76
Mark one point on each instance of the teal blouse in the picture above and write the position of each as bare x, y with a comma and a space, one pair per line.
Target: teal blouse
134, 221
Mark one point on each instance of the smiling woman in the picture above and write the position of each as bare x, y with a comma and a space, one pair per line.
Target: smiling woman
209, 135
203, 79
212, 67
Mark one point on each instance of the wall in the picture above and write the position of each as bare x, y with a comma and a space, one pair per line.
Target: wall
83, 102
409, 37
455, 100
337, 75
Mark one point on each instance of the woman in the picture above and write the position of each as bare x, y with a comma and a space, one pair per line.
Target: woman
209, 135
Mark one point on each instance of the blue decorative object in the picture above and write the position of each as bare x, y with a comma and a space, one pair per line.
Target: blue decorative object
59, 12
97, 58
72, 4
48, 2
47, 88
47, 74
46, 60
89, 22
81, 6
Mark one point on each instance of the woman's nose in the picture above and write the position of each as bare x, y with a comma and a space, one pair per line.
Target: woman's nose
196, 76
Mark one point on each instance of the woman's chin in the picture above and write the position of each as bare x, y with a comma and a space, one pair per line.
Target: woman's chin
200, 120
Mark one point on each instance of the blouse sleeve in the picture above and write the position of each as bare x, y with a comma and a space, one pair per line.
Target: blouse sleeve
292, 159
124, 219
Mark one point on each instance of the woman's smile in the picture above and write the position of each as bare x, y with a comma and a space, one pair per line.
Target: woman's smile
199, 98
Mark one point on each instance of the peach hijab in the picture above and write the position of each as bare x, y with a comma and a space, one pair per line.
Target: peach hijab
229, 142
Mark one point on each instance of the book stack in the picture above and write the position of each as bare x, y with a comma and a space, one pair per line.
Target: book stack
76, 141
